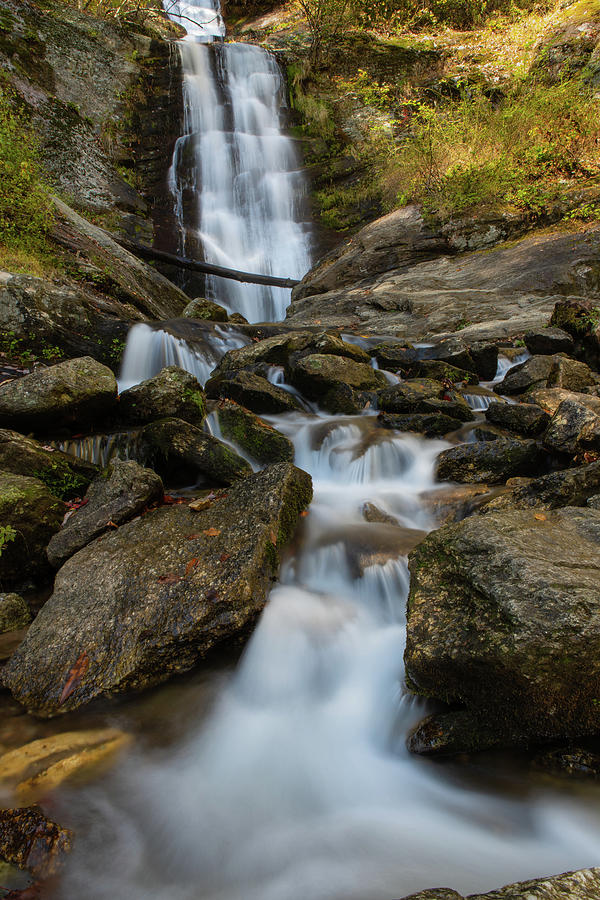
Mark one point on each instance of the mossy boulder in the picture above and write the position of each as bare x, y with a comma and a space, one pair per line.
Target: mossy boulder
252, 391
77, 392
569, 487
31, 841
319, 373
504, 619
116, 496
433, 424
490, 461
171, 392
64, 475
440, 370
395, 357
521, 418
409, 396
29, 516
181, 453
574, 427
154, 597
548, 341
14, 613
581, 885
255, 436
200, 308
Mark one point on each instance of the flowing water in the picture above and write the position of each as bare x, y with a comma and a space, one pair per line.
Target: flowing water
236, 179
295, 782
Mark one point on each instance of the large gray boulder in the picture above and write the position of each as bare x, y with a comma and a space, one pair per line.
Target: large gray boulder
490, 461
259, 439
153, 597
251, 390
172, 392
504, 619
112, 499
72, 393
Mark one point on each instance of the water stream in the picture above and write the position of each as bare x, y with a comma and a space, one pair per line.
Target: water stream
294, 782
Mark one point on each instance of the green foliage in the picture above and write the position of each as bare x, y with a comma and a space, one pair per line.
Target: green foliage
25, 205
521, 152
62, 482
17, 348
461, 14
7, 534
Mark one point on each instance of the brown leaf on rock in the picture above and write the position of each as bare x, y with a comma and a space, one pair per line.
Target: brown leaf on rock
171, 578
191, 565
224, 557
273, 537
201, 503
212, 532
75, 676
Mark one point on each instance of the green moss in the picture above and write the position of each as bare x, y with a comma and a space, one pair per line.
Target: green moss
62, 482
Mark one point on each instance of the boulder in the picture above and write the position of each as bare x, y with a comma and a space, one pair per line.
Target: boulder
255, 436
319, 373
572, 428
119, 494
521, 418
490, 461
29, 516
14, 613
551, 398
33, 842
77, 392
441, 370
570, 762
527, 376
181, 453
200, 308
173, 392
503, 618
570, 487
154, 597
395, 357
433, 424
548, 341
570, 374
32, 771
252, 391
64, 475
454, 503
409, 396
581, 885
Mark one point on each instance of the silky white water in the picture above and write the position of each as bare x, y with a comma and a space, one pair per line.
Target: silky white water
298, 783
236, 179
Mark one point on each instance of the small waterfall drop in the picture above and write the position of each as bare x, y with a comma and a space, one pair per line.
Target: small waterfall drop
236, 179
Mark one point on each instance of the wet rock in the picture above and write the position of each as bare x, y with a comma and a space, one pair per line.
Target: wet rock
395, 357
326, 378
527, 376
452, 504
573, 427
440, 370
14, 613
119, 494
64, 475
263, 442
503, 618
173, 392
372, 513
409, 396
251, 391
445, 734
521, 418
32, 771
33, 842
181, 453
570, 374
581, 885
572, 762
551, 398
490, 461
72, 393
548, 341
155, 596
29, 515
594, 501
570, 487
434, 424
200, 308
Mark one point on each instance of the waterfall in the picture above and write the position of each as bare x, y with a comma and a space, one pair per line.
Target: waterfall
236, 180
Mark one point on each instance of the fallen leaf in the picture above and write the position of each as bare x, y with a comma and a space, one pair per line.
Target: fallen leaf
540, 517
191, 565
75, 676
212, 532
111, 524
224, 557
304, 513
273, 537
193, 537
170, 579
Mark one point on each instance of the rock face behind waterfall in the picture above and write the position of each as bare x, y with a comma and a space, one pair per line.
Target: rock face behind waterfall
154, 597
504, 618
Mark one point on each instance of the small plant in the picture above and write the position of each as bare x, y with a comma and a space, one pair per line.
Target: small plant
7, 534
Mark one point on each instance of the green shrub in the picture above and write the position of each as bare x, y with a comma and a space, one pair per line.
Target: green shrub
25, 205
459, 14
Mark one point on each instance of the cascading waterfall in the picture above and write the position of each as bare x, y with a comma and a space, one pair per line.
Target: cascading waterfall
236, 179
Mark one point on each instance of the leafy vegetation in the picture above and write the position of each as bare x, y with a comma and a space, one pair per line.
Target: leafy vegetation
7, 534
25, 205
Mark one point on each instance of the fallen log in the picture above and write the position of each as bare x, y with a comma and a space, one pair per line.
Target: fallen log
145, 252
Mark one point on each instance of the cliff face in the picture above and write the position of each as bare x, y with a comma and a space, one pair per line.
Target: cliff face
105, 103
